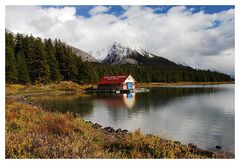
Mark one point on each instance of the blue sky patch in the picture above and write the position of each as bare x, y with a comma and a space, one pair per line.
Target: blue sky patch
83, 10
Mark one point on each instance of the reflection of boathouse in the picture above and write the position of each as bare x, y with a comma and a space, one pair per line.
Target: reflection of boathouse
118, 100
124, 82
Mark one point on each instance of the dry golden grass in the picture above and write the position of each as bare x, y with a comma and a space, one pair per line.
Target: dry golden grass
69, 86
13, 88
32, 132
17, 89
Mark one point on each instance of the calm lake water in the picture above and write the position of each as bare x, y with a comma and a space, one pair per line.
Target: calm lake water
200, 114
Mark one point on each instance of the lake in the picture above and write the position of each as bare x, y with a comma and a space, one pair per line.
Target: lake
199, 114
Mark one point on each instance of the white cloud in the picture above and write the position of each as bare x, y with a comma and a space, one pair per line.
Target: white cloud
99, 10
179, 35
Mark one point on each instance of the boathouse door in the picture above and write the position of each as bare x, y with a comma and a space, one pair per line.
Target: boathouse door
129, 85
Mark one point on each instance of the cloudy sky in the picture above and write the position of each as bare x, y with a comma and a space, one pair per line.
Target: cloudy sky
198, 36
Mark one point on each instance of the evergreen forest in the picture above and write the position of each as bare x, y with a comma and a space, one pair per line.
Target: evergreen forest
32, 60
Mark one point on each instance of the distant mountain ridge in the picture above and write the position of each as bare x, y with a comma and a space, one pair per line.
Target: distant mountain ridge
84, 55
119, 55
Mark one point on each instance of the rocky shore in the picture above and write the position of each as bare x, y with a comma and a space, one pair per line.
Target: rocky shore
191, 146
36, 132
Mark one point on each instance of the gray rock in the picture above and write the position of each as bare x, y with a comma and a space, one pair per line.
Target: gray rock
177, 142
96, 126
218, 147
191, 145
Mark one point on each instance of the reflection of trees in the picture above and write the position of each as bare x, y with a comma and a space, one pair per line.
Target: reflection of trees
117, 103
163, 95
156, 98
169, 109
75, 103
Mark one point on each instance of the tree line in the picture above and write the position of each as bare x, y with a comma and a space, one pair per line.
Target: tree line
33, 60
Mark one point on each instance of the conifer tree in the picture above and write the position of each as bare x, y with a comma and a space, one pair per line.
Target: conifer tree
19, 43
60, 57
51, 60
40, 66
23, 77
45, 62
11, 66
28, 50
71, 65
10, 60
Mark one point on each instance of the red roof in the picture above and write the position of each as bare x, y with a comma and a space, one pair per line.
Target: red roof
112, 79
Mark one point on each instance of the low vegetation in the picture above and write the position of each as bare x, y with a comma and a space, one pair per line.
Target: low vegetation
33, 132
18, 89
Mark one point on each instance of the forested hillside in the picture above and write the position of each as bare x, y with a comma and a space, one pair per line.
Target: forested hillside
33, 60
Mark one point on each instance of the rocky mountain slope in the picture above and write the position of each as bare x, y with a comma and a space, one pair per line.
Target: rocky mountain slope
85, 56
119, 55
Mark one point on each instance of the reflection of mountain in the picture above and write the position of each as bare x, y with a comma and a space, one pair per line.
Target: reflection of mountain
67, 103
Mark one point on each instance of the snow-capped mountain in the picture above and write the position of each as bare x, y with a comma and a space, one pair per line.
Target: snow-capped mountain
116, 48
119, 55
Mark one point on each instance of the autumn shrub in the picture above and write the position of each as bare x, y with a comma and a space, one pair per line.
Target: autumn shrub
138, 145
60, 125
32, 132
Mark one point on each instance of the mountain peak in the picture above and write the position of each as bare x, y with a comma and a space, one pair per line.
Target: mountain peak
119, 54
117, 44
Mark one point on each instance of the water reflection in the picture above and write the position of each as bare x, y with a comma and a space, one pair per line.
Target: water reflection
129, 100
203, 115
81, 104
116, 101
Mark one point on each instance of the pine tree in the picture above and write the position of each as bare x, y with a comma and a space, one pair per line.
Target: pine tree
28, 57
59, 54
51, 60
70, 65
19, 43
28, 50
11, 66
23, 77
40, 66
87, 73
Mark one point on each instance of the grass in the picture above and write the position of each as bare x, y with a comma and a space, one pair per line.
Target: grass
33, 132
18, 89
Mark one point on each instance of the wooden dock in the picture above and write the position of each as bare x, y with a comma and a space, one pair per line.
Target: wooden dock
137, 90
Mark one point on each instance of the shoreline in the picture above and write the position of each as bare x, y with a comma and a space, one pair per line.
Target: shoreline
71, 87
119, 135
151, 84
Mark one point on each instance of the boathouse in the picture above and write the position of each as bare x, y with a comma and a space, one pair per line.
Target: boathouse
123, 82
